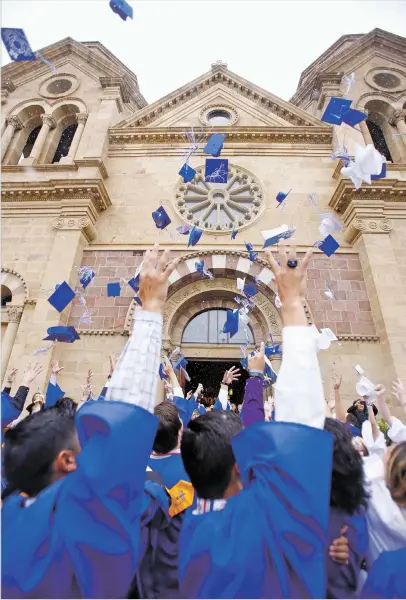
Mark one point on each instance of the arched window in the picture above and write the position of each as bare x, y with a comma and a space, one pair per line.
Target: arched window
65, 142
6, 295
207, 328
378, 139
29, 144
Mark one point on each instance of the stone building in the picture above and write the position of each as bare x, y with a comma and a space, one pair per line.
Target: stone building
86, 160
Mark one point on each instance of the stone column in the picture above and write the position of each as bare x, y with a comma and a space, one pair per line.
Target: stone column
14, 316
81, 119
365, 132
48, 123
398, 121
13, 125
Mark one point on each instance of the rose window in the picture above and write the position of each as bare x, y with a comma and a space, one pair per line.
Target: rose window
220, 206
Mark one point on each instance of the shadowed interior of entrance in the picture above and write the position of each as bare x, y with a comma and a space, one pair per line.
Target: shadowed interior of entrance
210, 373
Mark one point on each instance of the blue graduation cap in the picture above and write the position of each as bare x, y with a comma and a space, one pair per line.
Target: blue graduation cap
231, 325
184, 229
16, 44
187, 173
86, 278
61, 297
194, 236
121, 8
333, 112
273, 236
216, 170
329, 245
382, 174
162, 373
138, 300
134, 283
113, 289
215, 144
250, 289
62, 333
252, 254
272, 350
161, 218
244, 363
352, 117
181, 362
234, 234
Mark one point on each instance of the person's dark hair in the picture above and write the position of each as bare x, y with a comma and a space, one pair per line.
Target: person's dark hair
396, 474
31, 447
166, 438
209, 398
207, 453
348, 491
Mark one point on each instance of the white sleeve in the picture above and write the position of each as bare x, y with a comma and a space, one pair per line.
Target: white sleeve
397, 432
223, 397
299, 394
377, 446
177, 391
52, 379
135, 378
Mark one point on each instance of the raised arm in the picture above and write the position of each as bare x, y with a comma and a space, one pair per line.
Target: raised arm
222, 399
299, 395
253, 405
11, 408
382, 406
339, 408
54, 392
176, 388
399, 391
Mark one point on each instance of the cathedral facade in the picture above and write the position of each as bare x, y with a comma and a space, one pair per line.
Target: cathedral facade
86, 160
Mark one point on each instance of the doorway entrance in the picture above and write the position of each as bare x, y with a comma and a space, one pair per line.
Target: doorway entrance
210, 372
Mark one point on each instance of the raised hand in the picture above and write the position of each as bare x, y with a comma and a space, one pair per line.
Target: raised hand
154, 279
168, 368
31, 373
12, 376
399, 391
231, 375
337, 380
257, 362
190, 393
87, 388
55, 367
380, 390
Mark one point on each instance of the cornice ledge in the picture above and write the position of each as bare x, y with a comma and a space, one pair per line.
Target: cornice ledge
387, 190
348, 337
93, 162
39, 168
110, 332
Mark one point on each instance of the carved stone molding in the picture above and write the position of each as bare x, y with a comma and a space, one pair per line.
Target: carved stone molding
83, 223
364, 226
383, 192
357, 338
7, 86
398, 115
14, 122
14, 313
48, 120
203, 116
107, 332
82, 118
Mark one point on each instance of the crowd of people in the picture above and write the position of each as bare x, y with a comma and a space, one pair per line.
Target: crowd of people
113, 496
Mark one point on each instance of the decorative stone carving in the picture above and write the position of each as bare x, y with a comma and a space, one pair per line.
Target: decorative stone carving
82, 118
203, 116
48, 120
398, 115
82, 223
14, 122
14, 313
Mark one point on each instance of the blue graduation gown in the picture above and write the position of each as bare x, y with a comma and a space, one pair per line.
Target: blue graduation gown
54, 393
387, 577
80, 538
269, 541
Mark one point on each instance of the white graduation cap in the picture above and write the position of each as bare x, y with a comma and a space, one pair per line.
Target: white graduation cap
367, 161
273, 236
244, 318
365, 387
329, 223
324, 337
359, 369
240, 284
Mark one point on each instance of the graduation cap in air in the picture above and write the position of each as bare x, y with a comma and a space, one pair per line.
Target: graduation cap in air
162, 373
181, 362
134, 283
215, 144
269, 372
382, 174
272, 350
216, 170
194, 236
161, 218
62, 296
62, 333
138, 300
280, 197
184, 229
231, 325
273, 236
252, 254
329, 245
367, 162
113, 289
250, 289
234, 234
329, 223
17, 44
338, 111
121, 8
86, 278
187, 173
200, 268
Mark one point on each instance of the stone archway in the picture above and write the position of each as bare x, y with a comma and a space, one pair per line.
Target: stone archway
11, 313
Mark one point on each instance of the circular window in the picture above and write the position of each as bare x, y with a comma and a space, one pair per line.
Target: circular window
59, 86
219, 117
220, 207
386, 80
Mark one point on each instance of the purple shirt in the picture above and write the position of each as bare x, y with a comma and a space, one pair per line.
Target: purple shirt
253, 405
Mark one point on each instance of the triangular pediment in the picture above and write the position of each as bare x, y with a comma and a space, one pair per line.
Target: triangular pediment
91, 58
182, 106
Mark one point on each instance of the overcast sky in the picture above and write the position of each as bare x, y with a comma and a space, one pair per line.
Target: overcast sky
169, 43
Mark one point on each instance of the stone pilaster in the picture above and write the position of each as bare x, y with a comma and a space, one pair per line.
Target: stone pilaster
14, 316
